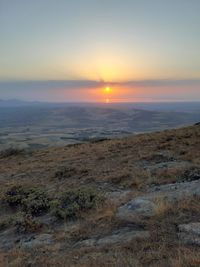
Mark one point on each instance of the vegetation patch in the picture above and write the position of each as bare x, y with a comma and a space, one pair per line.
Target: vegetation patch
69, 172
11, 152
65, 172
73, 203
27, 224
30, 199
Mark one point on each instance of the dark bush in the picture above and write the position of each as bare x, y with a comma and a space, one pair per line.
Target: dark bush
30, 199
73, 203
11, 152
192, 174
65, 172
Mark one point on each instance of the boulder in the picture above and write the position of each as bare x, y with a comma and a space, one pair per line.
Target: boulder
145, 205
190, 233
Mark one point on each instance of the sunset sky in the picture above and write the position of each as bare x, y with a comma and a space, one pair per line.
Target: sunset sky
71, 50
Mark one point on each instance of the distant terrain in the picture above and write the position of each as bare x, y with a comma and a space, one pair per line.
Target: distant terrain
35, 125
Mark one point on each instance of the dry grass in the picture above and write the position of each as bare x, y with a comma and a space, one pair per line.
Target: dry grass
111, 166
163, 207
118, 164
93, 225
3, 260
15, 258
186, 257
178, 212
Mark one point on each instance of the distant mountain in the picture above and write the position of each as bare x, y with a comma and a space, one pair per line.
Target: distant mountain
36, 124
16, 103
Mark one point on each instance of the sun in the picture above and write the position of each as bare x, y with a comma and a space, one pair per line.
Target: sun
107, 89
107, 93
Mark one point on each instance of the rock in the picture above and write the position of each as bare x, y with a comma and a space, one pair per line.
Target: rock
176, 190
88, 242
38, 240
191, 174
118, 197
166, 165
190, 233
8, 239
138, 206
145, 206
121, 236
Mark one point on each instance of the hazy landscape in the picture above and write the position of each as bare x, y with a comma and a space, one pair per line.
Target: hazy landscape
37, 125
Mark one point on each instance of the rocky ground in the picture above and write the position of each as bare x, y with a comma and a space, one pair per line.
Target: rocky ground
116, 203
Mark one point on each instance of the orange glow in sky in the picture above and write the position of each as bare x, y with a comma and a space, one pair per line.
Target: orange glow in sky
108, 93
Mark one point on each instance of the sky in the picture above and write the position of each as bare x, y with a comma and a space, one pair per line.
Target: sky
71, 50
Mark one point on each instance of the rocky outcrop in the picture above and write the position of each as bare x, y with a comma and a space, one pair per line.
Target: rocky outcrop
37, 240
9, 239
123, 235
190, 233
139, 206
145, 205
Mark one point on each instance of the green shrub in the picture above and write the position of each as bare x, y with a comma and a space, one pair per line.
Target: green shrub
30, 199
16, 194
73, 203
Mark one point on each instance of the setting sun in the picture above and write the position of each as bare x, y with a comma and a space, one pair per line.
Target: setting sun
107, 89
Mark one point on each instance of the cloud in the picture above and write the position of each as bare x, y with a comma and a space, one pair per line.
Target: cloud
78, 84
88, 90
161, 83
51, 84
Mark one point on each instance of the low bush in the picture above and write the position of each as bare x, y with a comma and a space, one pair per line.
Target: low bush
30, 199
73, 203
65, 172
11, 152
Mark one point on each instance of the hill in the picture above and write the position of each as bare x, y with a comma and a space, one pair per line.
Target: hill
133, 201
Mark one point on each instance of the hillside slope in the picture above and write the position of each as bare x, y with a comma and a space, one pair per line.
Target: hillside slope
123, 202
